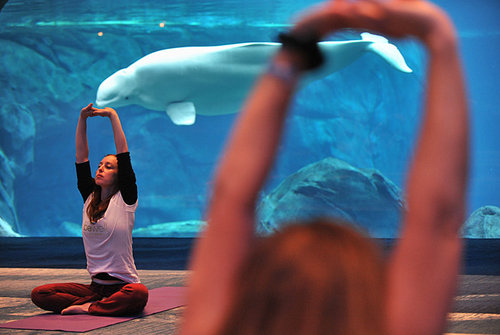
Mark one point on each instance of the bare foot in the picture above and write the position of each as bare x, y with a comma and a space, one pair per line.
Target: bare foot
76, 309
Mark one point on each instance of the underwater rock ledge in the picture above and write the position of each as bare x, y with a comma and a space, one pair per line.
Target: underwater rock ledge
484, 222
334, 188
6, 229
190, 228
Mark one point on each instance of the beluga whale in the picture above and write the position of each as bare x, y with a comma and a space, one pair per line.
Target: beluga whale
214, 80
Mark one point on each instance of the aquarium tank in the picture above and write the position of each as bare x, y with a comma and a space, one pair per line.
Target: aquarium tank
348, 140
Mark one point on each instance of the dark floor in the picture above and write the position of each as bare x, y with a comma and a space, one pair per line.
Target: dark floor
476, 311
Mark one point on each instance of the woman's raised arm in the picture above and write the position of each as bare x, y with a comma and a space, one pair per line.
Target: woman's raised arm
81, 143
242, 171
425, 265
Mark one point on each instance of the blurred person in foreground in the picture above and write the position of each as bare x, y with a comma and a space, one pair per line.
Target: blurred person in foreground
323, 277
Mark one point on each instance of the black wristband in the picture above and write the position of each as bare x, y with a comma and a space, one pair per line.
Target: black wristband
306, 46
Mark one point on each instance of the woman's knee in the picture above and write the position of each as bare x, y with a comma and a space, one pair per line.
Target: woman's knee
138, 295
39, 293
141, 293
41, 296
137, 291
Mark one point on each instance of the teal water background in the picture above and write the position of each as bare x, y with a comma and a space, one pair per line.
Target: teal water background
53, 60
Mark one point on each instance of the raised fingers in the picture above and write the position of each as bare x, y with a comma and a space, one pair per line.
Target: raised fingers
87, 111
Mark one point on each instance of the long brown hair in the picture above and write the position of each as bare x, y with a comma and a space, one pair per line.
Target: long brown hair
96, 207
316, 278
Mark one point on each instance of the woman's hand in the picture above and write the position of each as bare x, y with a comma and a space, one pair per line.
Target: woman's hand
81, 130
396, 18
90, 111
104, 112
87, 111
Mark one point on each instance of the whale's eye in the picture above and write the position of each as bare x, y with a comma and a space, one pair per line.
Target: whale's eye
126, 98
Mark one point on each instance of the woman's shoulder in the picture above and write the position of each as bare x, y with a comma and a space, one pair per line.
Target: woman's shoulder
117, 200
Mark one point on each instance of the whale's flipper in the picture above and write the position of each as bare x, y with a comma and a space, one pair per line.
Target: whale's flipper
387, 51
182, 113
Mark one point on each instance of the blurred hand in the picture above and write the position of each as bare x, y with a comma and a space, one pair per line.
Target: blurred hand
396, 18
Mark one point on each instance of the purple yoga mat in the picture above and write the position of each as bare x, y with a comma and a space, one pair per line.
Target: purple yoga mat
160, 299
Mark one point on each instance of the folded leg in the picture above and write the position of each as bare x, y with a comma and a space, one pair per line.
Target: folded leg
56, 297
128, 300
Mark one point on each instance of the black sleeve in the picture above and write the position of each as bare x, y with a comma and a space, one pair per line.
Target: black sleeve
86, 183
126, 178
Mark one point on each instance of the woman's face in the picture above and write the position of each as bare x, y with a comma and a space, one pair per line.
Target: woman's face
106, 173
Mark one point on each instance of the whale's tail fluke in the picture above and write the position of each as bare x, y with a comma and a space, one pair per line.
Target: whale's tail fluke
387, 51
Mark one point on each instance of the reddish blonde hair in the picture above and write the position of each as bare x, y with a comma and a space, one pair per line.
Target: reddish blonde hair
316, 278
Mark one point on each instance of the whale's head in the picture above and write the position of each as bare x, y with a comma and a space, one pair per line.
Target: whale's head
117, 90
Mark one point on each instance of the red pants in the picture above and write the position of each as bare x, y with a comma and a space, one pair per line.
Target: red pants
116, 300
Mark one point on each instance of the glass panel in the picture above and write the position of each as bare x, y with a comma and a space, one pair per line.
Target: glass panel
357, 123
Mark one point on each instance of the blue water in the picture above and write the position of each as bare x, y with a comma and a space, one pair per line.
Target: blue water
367, 114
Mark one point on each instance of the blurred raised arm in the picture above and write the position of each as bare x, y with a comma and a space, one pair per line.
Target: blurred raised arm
426, 263
242, 171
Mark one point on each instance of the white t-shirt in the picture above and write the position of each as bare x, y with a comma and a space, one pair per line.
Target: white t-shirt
108, 242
